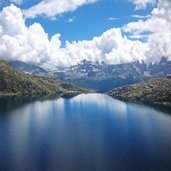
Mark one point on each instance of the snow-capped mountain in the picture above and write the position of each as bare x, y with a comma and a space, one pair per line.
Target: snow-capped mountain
104, 77
161, 69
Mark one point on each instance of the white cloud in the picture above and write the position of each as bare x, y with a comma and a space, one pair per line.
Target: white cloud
31, 44
158, 27
71, 20
141, 4
163, 10
112, 19
28, 44
110, 47
150, 25
141, 16
52, 8
17, 1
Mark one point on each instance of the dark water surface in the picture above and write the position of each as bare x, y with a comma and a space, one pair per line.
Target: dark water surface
86, 133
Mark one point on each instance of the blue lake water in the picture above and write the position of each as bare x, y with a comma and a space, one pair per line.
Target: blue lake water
86, 133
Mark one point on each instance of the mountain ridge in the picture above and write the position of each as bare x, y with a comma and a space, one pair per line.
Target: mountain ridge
155, 91
103, 77
14, 82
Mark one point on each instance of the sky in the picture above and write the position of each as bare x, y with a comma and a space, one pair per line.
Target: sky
61, 33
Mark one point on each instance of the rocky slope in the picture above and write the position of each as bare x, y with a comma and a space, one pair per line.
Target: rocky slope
101, 76
104, 77
155, 91
28, 68
14, 82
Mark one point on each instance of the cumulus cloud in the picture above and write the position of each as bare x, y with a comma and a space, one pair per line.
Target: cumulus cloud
158, 27
163, 10
141, 4
31, 44
52, 8
111, 47
28, 44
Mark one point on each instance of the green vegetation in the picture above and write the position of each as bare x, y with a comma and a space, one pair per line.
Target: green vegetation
155, 91
16, 83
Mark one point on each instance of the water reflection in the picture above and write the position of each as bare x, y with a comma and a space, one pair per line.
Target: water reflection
87, 132
9, 103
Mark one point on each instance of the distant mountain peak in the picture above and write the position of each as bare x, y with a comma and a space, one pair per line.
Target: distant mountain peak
103, 77
163, 59
28, 68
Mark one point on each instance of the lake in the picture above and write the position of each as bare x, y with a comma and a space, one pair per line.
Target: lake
91, 132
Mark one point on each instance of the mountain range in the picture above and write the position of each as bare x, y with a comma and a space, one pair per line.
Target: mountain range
101, 76
146, 86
